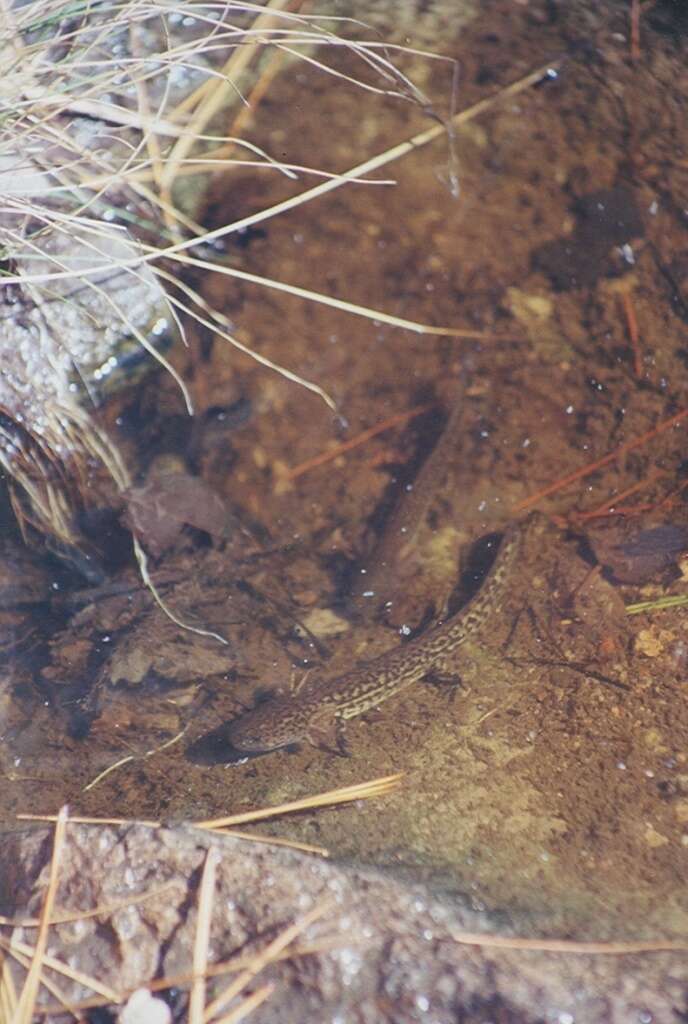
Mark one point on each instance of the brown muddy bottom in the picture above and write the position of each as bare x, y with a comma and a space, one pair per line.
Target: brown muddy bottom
553, 783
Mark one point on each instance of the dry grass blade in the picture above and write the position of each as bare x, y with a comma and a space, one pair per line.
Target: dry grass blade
71, 72
272, 950
132, 757
27, 1000
340, 304
93, 255
361, 170
142, 560
346, 794
107, 771
219, 323
206, 896
219, 90
87, 111
365, 168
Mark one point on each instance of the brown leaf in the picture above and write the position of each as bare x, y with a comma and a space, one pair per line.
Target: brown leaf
170, 499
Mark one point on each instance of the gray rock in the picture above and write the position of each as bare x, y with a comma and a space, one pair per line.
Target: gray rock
389, 951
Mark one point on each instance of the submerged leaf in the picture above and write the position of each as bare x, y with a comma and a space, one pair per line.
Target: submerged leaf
170, 499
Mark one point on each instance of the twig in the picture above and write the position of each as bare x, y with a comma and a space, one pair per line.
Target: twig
635, 30
632, 322
580, 474
611, 506
671, 497
354, 442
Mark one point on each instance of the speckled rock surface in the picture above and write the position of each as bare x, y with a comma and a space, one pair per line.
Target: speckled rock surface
408, 22
389, 951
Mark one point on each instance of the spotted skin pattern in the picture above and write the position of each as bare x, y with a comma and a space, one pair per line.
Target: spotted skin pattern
319, 705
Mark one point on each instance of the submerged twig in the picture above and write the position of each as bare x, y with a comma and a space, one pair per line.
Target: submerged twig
592, 467
354, 442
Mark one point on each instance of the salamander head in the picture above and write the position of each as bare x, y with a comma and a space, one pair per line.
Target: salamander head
271, 725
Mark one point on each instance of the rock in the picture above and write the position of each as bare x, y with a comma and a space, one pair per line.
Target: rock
382, 949
142, 1008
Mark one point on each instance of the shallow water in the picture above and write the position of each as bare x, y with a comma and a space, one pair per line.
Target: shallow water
554, 784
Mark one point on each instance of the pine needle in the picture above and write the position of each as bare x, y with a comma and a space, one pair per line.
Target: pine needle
17, 946
345, 794
262, 959
103, 910
206, 897
657, 604
249, 1004
571, 945
27, 1000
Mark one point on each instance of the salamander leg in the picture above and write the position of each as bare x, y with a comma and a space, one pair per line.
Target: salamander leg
326, 732
448, 682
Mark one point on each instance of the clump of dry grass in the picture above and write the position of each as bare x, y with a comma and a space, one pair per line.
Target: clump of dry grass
107, 109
